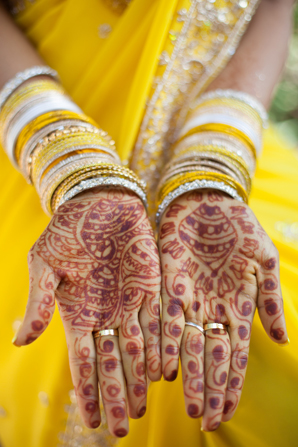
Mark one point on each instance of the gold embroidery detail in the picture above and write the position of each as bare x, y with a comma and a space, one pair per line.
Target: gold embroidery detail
201, 40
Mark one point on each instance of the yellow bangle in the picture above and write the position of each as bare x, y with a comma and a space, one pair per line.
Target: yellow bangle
179, 179
75, 179
231, 103
223, 128
44, 120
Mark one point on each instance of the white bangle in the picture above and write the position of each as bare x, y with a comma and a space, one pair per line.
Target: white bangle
200, 120
55, 102
23, 76
247, 99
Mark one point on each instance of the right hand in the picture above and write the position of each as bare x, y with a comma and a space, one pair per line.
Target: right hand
98, 258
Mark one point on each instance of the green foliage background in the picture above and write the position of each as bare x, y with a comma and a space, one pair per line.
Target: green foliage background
284, 109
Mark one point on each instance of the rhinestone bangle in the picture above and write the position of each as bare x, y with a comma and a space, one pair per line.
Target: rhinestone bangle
102, 181
191, 186
23, 76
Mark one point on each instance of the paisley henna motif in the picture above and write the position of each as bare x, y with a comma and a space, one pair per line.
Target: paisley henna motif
99, 259
215, 257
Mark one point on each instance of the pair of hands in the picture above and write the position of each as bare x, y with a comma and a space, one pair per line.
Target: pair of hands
99, 260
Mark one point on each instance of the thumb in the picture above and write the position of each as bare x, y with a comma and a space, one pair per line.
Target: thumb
270, 302
41, 301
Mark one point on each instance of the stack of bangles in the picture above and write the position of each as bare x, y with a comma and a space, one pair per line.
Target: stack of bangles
217, 148
55, 146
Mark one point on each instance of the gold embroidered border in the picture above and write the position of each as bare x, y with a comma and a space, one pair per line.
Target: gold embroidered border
209, 36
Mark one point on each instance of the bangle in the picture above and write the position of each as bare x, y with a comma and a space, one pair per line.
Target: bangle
23, 76
57, 118
178, 180
229, 127
228, 144
245, 98
102, 181
44, 105
73, 180
192, 186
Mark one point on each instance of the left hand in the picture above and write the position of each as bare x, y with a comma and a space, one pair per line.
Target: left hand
218, 265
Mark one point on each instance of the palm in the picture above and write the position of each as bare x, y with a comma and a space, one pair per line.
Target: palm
104, 264
215, 256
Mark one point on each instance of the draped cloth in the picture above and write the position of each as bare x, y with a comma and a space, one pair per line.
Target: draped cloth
136, 74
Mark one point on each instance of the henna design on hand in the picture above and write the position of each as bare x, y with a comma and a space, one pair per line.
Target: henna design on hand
226, 263
99, 259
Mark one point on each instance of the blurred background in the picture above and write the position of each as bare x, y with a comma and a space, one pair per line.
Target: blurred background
284, 110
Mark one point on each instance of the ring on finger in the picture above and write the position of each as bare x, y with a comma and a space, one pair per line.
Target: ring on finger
98, 334
209, 326
189, 323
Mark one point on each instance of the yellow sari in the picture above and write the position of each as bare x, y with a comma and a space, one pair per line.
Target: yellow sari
130, 73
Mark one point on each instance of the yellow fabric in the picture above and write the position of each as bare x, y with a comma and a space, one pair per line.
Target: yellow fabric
110, 79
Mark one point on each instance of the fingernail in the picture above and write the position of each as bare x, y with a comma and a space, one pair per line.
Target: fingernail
283, 345
13, 341
202, 430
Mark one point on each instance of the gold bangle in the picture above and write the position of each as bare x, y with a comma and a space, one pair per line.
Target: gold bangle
76, 179
223, 128
185, 178
59, 144
231, 103
217, 156
212, 150
44, 120
22, 97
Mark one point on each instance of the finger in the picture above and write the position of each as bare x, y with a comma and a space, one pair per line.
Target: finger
172, 327
217, 362
240, 340
41, 301
149, 317
192, 362
112, 385
270, 303
82, 361
131, 344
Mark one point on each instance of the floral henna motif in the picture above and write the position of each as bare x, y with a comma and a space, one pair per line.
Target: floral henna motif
213, 248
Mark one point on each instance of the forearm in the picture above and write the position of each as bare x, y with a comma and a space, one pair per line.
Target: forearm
260, 57
16, 52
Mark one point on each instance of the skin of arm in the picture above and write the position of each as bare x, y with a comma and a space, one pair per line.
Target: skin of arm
258, 62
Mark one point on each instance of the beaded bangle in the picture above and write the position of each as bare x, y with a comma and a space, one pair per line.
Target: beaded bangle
23, 76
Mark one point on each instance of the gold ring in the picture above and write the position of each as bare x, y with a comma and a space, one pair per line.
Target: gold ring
98, 334
209, 326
